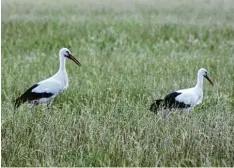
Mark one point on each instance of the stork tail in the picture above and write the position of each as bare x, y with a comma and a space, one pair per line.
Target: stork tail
154, 107
17, 102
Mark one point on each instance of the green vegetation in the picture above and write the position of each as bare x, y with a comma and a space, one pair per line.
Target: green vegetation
131, 53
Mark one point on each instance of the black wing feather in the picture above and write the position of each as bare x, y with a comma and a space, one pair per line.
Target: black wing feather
170, 101
30, 96
156, 105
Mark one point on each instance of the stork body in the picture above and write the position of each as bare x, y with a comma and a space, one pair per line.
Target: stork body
185, 99
45, 91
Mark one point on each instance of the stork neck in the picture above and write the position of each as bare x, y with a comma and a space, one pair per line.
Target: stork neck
199, 81
62, 60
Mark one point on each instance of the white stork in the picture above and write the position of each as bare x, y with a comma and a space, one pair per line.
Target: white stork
46, 90
185, 99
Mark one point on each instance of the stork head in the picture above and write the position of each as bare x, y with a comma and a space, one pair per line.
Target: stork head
204, 73
64, 52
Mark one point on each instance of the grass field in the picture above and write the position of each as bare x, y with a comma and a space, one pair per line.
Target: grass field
131, 53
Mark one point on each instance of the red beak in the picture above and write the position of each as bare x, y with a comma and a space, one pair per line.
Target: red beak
209, 79
74, 59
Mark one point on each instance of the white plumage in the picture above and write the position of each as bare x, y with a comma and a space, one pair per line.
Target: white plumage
184, 98
46, 90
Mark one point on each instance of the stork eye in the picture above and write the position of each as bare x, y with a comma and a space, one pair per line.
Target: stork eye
67, 54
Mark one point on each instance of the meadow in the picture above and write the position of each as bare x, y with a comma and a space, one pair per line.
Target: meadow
131, 52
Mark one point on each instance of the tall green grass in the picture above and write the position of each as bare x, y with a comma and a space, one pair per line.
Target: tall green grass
132, 52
